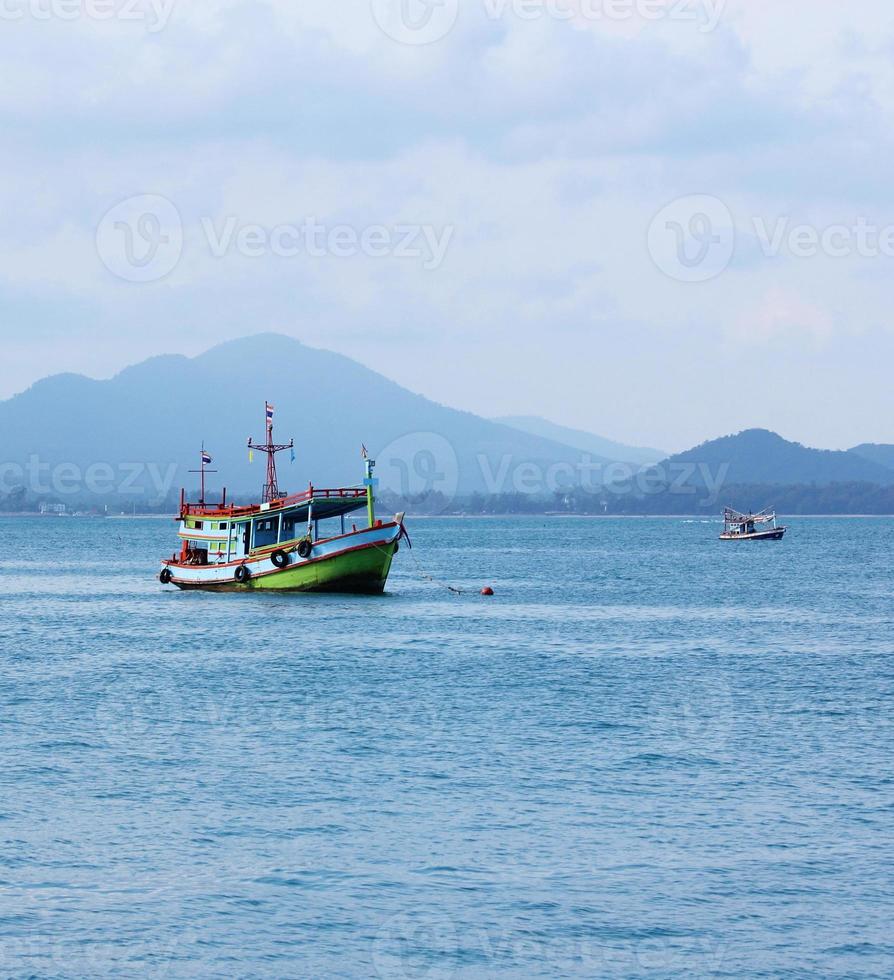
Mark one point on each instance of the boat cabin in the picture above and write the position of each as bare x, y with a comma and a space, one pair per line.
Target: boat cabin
212, 535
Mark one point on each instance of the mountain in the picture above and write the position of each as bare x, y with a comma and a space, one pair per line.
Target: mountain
135, 436
585, 442
876, 452
144, 429
757, 456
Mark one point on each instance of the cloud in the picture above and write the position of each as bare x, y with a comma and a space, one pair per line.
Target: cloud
548, 145
782, 314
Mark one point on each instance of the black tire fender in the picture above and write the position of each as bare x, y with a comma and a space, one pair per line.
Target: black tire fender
165, 576
305, 548
242, 574
280, 558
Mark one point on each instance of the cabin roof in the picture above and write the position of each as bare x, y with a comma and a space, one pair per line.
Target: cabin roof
325, 503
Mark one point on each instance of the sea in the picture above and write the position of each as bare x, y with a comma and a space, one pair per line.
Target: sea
649, 754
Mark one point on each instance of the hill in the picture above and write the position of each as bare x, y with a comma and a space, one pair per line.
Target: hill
757, 456
144, 429
876, 452
585, 442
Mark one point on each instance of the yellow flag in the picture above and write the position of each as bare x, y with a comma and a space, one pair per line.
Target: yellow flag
251, 455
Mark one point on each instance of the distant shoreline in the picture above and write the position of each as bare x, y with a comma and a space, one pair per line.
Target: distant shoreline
476, 517
636, 517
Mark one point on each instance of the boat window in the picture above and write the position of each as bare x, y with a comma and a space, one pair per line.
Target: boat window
291, 528
328, 527
265, 532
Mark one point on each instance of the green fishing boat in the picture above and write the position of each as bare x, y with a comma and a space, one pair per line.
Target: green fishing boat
287, 543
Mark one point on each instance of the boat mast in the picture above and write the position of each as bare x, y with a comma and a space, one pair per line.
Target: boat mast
271, 487
370, 482
206, 460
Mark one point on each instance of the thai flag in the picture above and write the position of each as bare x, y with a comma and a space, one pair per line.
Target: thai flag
269, 413
206, 458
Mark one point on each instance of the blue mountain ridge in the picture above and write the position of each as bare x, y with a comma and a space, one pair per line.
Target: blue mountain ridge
152, 418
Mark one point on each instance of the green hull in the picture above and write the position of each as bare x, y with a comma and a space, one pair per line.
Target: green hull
362, 571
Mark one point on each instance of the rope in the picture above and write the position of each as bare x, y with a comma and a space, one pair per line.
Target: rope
436, 581
423, 574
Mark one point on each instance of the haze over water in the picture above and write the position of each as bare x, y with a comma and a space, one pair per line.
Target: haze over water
651, 754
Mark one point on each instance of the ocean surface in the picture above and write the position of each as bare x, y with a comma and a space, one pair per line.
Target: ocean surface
651, 754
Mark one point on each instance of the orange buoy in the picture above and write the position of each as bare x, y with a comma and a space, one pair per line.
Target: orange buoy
487, 590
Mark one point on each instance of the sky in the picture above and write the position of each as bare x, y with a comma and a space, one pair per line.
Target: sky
657, 220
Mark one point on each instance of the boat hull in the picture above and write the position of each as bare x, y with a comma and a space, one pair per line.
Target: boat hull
774, 534
357, 563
